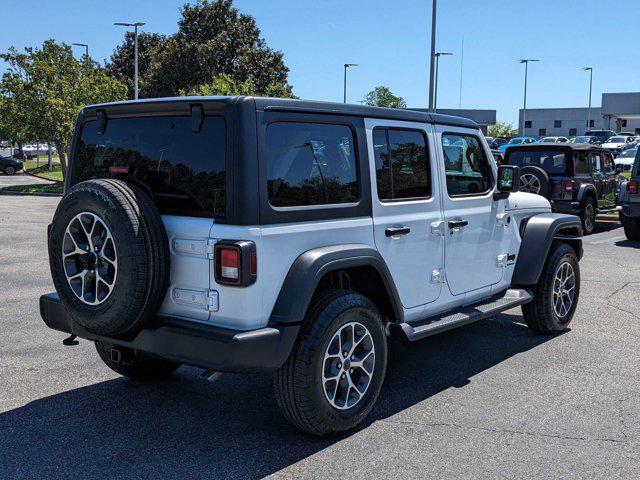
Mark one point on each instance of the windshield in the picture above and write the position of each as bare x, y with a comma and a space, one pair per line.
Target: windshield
552, 162
548, 140
616, 140
630, 153
582, 139
515, 141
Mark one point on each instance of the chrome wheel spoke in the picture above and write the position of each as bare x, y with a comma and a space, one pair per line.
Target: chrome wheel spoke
563, 289
348, 365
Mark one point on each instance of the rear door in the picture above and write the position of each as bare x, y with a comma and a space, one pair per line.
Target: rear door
472, 236
407, 215
609, 179
598, 177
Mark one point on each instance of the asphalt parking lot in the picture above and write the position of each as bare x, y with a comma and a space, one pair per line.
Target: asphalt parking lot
491, 400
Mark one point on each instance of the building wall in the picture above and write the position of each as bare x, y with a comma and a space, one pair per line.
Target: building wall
569, 118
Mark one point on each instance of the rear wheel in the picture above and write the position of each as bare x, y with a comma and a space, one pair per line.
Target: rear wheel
588, 215
9, 170
632, 228
555, 296
333, 376
133, 364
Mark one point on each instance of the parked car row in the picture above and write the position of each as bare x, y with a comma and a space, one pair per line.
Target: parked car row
10, 165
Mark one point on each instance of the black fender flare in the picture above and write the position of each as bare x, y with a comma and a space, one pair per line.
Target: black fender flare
539, 233
309, 268
586, 188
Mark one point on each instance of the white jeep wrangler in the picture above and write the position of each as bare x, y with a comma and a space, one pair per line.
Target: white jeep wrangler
255, 234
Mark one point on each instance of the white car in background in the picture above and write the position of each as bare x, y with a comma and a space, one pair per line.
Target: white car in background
624, 161
553, 140
618, 144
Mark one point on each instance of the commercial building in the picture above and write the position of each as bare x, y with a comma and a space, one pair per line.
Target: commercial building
619, 112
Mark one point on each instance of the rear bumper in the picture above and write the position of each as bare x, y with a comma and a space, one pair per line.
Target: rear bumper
190, 343
631, 210
564, 206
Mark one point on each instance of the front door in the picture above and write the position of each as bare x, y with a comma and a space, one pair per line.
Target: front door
407, 218
472, 236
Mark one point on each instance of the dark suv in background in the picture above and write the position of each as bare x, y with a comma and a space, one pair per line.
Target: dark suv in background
602, 135
576, 178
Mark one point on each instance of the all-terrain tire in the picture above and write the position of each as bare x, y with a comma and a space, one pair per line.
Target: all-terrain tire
141, 250
588, 215
135, 365
632, 228
9, 170
532, 172
299, 383
540, 314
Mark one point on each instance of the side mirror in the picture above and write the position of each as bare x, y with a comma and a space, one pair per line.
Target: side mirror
508, 181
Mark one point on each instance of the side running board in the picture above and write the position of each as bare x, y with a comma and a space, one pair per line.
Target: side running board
465, 315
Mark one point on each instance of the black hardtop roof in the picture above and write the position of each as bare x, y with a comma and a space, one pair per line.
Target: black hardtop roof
558, 146
293, 105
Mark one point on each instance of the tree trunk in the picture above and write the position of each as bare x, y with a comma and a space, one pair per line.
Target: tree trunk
62, 154
49, 154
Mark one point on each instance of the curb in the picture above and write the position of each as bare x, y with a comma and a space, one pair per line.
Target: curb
28, 194
38, 176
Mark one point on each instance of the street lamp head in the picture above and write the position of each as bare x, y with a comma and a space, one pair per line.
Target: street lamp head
126, 24
527, 60
587, 68
80, 44
439, 54
347, 65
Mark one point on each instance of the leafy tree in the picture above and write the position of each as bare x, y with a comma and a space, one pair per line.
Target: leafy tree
502, 129
223, 84
382, 97
45, 88
121, 64
213, 38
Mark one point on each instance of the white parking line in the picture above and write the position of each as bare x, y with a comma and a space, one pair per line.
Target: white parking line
607, 240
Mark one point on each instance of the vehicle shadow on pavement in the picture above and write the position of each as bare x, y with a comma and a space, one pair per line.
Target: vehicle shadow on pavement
187, 427
627, 244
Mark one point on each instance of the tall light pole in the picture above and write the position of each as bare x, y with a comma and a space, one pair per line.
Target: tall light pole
590, 69
86, 52
432, 59
346, 65
435, 89
526, 73
135, 25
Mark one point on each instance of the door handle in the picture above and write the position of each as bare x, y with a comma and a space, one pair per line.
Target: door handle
396, 231
458, 223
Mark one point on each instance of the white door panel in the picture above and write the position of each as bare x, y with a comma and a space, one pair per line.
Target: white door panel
472, 247
411, 257
190, 267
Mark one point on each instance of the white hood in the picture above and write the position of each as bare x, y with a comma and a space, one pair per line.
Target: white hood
525, 201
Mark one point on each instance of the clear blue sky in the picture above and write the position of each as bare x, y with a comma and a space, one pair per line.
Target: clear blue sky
390, 41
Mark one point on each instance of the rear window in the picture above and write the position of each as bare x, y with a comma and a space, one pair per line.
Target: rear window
551, 161
184, 169
310, 164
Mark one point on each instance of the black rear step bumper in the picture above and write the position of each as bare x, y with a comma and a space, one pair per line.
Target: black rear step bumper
191, 343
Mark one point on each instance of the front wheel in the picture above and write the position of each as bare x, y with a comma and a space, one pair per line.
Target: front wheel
555, 296
9, 170
333, 376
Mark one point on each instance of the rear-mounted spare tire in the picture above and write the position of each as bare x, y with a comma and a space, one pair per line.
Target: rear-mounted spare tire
109, 256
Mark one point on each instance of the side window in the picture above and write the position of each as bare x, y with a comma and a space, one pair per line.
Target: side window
581, 165
402, 164
467, 168
310, 164
596, 163
608, 164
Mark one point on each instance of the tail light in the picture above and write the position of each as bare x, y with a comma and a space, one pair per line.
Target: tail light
235, 262
568, 185
632, 186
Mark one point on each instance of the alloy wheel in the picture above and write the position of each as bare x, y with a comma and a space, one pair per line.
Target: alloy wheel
529, 183
348, 365
564, 287
89, 258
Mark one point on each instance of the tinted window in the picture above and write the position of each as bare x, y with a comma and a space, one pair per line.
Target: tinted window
582, 166
402, 169
551, 161
467, 168
184, 170
310, 164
